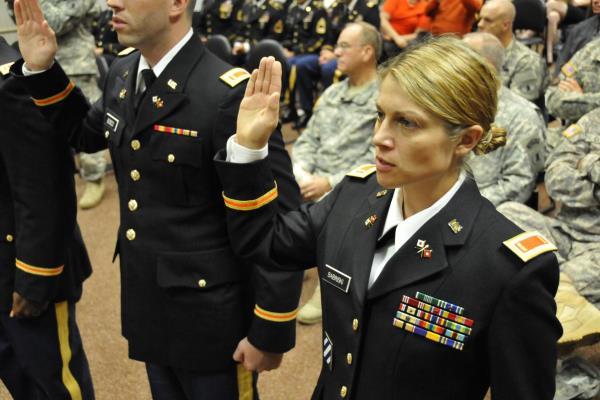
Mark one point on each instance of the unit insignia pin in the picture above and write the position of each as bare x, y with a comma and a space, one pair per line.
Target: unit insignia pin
423, 249
369, 222
125, 73
382, 193
172, 84
455, 226
158, 102
123, 93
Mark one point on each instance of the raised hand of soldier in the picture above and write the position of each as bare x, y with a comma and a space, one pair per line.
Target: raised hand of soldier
259, 110
37, 40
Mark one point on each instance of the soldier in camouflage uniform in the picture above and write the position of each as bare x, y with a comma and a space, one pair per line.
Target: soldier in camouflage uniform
314, 67
573, 179
255, 21
338, 136
523, 70
72, 23
578, 91
508, 173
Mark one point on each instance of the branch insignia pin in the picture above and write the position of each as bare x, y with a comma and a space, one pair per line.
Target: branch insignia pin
423, 249
369, 222
455, 226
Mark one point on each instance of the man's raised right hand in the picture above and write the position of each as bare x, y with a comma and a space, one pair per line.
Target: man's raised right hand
37, 41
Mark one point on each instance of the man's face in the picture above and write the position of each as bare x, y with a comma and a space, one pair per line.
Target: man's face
491, 21
596, 6
350, 51
140, 23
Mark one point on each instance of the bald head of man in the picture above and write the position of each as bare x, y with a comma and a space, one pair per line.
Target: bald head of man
488, 46
497, 17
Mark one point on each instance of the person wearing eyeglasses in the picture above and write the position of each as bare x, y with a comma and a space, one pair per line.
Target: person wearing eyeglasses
427, 291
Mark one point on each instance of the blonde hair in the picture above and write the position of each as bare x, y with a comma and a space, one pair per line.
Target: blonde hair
449, 80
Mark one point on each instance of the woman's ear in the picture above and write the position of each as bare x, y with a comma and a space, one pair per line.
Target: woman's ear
468, 140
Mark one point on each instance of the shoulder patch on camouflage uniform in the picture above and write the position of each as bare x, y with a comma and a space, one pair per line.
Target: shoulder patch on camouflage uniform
321, 26
568, 69
528, 245
363, 171
5, 68
572, 131
235, 76
126, 51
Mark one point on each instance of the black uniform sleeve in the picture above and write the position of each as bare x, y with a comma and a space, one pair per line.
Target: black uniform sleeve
524, 331
65, 106
276, 292
28, 151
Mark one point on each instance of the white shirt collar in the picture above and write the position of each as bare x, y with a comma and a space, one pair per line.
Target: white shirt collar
395, 216
163, 62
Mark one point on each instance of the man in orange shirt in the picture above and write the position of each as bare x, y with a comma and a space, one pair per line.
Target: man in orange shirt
401, 22
452, 16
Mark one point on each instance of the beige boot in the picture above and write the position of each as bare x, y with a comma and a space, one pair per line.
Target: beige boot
579, 318
92, 194
311, 312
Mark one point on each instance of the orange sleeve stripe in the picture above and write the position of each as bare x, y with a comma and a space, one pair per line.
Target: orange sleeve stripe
274, 316
248, 205
40, 271
56, 98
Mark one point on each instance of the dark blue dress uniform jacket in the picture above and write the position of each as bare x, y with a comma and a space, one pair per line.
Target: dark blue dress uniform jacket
186, 298
42, 255
341, 14
512, 347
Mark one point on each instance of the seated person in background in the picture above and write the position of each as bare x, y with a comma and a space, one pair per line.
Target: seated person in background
338, 137
573, 179
452, 16
577, 91
312, 67
412, 242
401, 22
562, 13
523, 70
257, 20
505, 174
217, 17
305, 31
580, 35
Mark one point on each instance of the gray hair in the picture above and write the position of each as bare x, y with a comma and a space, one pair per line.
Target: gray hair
370, 37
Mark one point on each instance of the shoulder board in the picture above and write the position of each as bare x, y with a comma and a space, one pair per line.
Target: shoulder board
235, 76
572, 130
528, 245
5, 68
362, 172
126, 51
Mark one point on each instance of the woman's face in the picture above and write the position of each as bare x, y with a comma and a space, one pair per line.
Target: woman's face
411, 145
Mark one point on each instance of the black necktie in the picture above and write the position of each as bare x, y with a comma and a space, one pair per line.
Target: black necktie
149, 78
388, 238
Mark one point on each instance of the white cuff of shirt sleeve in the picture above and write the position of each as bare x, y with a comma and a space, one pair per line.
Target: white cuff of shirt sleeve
239, 154
27, 72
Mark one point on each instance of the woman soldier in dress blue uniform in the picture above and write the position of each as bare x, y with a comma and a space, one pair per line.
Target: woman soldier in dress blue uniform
428, 292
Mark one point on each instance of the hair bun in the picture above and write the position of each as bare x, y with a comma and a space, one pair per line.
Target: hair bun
492, 139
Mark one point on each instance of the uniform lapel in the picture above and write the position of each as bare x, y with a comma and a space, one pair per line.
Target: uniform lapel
129, 79
407, 267
361, 239
166, 94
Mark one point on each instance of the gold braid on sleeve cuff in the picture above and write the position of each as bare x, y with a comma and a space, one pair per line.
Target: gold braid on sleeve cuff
249, 205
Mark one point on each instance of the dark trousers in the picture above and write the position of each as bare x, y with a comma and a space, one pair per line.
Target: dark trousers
42, 358
168, 383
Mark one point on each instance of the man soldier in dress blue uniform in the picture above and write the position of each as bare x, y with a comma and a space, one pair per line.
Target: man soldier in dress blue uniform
218, 17
43, 261
312, 67
188, 308
305, 32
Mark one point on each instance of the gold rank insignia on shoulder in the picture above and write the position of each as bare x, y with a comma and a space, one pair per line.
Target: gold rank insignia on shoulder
363, 171
568, 70
321, 26
455, 226
126, 51
529, 245
572, 130
5, 68
235, 76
